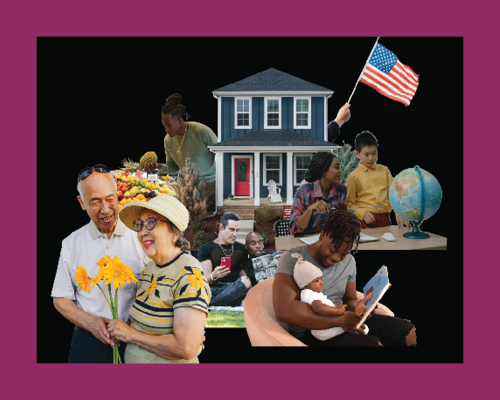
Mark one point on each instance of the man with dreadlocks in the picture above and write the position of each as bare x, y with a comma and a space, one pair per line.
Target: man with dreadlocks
331, 254
185, 138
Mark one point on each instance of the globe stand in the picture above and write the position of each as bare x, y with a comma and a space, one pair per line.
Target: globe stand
416, 233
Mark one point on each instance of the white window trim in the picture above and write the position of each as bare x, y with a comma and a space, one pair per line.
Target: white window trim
264, 169
295, 183
265, 113
295, 126
236, 126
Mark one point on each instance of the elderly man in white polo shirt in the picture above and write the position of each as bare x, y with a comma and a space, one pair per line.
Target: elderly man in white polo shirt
104, 235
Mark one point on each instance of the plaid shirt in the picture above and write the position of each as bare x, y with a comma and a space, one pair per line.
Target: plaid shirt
308, 194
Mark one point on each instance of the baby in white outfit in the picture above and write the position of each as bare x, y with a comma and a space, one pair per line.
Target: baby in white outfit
309, 279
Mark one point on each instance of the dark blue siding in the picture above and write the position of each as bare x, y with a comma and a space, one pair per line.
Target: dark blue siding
318, 117
228, 116
257, 113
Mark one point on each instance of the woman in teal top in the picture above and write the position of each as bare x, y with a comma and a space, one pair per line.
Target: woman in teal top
185, 138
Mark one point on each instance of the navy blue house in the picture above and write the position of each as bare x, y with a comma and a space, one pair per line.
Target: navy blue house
269, 126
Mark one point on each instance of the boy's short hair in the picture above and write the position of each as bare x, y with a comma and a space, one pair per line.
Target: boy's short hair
228, 216
365, 138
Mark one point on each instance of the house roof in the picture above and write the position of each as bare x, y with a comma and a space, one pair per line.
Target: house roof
272, 80
273, 137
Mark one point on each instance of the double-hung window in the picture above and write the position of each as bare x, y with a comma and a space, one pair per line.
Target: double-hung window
272, 169
243, 113
302, 112
301, 166
272, 113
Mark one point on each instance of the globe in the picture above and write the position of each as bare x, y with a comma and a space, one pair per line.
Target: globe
416, 195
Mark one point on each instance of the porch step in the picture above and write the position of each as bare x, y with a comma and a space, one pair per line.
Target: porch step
244, 212
246, 226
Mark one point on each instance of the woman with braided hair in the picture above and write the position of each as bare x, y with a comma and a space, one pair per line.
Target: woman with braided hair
314, 199
333, 255
185, 138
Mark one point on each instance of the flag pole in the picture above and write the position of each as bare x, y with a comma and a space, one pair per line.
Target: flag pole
349, 101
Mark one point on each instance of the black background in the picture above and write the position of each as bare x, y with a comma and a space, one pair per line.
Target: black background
99, 101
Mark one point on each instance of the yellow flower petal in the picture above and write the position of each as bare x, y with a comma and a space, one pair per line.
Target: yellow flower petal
196, 280
82, 279
117, 272
103, 261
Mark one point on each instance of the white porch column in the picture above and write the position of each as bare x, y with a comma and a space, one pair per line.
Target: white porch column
219, 178
289, 178
256, 178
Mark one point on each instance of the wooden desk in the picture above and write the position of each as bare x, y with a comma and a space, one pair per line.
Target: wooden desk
434, 242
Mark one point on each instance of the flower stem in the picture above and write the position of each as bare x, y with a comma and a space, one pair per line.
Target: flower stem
106, 297
111, 298
115, 316
116, 303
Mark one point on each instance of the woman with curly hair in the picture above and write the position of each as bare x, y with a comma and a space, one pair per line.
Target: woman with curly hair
185, 138
314, 199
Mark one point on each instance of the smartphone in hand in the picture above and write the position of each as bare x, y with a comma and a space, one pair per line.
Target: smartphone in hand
226, 262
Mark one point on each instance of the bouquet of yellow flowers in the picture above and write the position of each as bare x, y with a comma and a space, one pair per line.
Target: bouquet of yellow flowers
110, 271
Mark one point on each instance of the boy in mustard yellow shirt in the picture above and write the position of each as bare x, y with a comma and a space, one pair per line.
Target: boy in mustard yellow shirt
368, 186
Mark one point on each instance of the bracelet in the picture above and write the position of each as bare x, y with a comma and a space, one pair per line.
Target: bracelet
211, 276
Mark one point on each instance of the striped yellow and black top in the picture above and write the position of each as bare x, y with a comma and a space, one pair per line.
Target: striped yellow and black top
161, 289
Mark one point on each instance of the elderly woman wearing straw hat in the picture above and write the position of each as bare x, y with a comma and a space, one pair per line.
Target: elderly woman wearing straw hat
169, 314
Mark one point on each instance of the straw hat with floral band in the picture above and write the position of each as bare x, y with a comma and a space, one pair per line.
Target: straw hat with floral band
168, 206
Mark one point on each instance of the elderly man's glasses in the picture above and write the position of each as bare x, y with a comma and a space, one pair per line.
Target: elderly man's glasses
149, 223
86, 172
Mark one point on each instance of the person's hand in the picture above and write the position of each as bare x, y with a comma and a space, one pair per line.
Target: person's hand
120, 330
220, 272
320, 206
350, 322
361, 307
403, 223
340, 309
368, 217
343, 115
99, 330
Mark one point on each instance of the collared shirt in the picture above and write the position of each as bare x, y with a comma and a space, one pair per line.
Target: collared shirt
307, 195
368, 187
85, 247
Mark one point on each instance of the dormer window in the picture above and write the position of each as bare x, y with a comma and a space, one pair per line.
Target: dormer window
302, 113
272, 115
243, 113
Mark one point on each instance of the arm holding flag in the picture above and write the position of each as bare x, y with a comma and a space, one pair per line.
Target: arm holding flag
342, 117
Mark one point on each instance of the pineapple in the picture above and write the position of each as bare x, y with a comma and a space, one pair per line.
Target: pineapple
130, 166
149, 158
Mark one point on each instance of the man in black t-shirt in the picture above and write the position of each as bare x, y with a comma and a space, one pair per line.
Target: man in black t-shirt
229, 286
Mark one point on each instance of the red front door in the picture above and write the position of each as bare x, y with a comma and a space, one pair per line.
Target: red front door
242, 176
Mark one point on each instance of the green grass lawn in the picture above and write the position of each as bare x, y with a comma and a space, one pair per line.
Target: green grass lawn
226, 318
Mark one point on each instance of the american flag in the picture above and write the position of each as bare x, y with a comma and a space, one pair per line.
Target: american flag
384, 73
